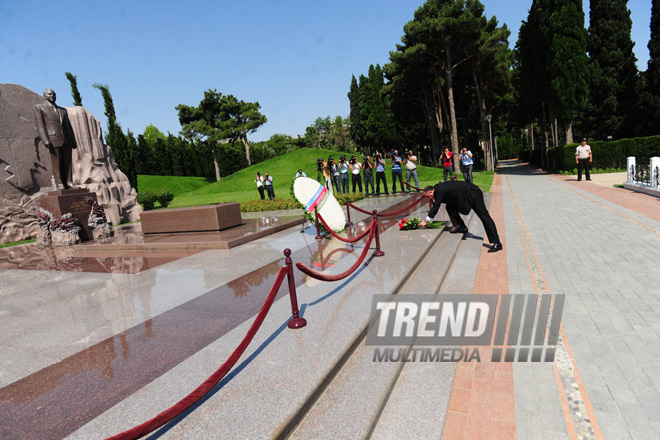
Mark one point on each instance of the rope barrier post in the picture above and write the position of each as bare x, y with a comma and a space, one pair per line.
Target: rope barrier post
296, 321
318, 231
374, 224
348, 214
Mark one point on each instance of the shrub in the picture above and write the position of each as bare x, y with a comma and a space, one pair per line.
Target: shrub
348, 198
147, 199
269, 205
164, 196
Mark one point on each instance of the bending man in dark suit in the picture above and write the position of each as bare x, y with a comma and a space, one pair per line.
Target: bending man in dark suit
56, 133
461, 197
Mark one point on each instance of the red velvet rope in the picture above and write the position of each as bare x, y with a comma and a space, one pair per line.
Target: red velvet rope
339, 237
401, 211
412, 186
208, 384
319, 276
389, 215
358, 209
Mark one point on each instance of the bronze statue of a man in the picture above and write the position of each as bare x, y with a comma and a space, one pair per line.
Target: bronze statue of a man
57, 135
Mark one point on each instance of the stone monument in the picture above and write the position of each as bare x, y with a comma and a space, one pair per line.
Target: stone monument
26, 171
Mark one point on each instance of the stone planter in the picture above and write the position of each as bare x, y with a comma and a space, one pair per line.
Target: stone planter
101, 232
44, 238
64, 238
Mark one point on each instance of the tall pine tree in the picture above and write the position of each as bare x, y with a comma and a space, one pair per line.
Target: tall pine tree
612, 71
569, 71
375, 117
649, 120
532, 73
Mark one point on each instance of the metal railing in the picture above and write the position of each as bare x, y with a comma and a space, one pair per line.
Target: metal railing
641, 174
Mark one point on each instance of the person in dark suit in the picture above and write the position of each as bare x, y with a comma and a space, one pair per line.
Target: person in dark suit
57, 135
459, 198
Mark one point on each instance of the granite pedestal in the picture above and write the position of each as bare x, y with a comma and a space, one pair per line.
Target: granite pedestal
192, 219
71, 200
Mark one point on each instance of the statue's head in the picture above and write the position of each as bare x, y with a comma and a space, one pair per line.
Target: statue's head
50, 95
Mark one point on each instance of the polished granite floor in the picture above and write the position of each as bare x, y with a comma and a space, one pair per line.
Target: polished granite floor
101, 324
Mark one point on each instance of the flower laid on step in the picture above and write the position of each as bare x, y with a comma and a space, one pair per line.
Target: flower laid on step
408, 224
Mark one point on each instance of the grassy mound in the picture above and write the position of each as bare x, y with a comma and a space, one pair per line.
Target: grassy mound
241, 187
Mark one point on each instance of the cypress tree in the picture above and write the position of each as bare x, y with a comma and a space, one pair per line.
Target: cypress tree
649, 120
569, 71
354, 116
653, 71
375, 115
73, 79
612, 70
532, 67
120, 145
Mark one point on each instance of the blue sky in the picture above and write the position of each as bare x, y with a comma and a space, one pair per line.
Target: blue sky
295, 57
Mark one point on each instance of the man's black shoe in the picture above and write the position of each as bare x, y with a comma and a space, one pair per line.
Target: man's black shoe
588, 179
495, 248
459, 230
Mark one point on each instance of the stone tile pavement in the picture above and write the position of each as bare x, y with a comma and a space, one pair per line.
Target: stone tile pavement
599, 246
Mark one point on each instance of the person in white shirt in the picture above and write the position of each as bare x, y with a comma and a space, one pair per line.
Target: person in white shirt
260, 185
343, 174
355, 173
300, 173
583, 159
410, 160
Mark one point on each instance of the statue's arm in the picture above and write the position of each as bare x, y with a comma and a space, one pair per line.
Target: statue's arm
41, 126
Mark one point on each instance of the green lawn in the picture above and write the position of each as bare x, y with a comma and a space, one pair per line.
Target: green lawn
240, 186
178, 185
31, 240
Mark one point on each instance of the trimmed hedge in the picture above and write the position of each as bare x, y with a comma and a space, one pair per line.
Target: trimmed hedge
611, 154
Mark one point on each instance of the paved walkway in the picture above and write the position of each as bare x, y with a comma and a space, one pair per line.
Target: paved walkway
597, 245
600, 247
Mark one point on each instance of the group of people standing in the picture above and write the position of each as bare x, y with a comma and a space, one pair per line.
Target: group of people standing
335, 174
467, 163
265, 184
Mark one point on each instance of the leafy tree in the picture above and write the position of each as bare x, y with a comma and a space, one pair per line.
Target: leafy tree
612, 69
491, 74
241, 118
151, 133
447, 31
416, 82
73, 79
569, 72
218, 119
204, 123
326, 133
